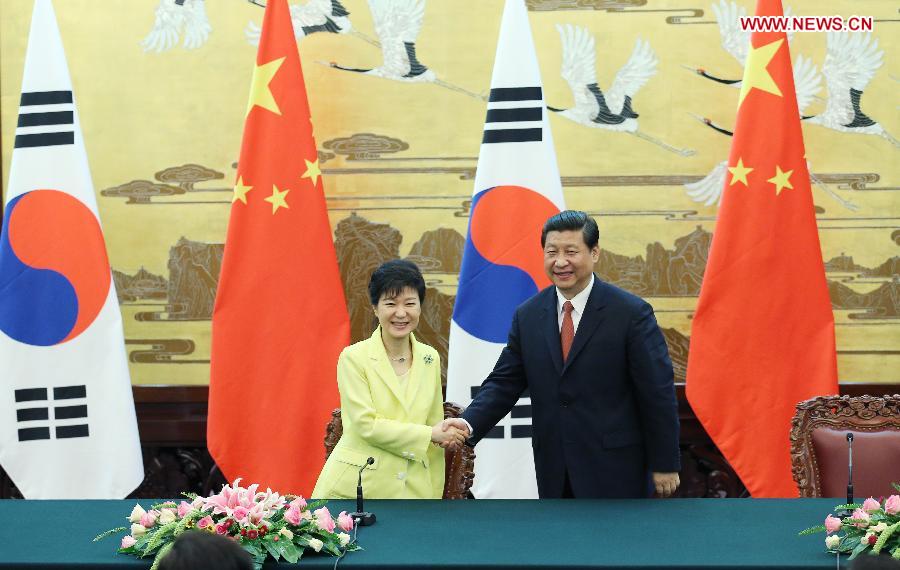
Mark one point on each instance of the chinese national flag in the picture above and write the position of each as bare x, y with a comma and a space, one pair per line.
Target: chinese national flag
280, 319
762, 337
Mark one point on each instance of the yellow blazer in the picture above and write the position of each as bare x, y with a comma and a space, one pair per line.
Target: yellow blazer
379, 421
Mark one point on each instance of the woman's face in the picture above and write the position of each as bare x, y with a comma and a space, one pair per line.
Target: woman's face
399, 316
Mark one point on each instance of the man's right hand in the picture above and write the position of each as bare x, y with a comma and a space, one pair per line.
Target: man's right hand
447, 437
456, 424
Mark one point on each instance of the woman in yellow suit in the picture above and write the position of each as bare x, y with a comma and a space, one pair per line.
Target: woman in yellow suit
391, 401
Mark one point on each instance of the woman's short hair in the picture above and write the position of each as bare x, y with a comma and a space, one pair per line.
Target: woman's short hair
200, 549
392, 277
570, 220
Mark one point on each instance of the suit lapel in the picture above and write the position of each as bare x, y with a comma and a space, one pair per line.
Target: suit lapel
590, 320
417, 374
380, 363
550, 327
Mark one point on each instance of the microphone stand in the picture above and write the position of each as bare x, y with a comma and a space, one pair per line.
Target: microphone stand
361, 517
848, 513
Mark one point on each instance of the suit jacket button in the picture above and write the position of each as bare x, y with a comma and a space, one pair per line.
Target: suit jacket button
401, 476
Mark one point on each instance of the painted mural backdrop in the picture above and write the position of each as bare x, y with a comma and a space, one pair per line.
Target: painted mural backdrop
162, 87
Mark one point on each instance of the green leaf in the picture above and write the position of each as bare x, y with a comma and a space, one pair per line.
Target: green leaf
848, 507
856, 551
111, 531
812, 530
161, 535
272, 548
849, 543
896, 486
289, 551
159, 555
896, 553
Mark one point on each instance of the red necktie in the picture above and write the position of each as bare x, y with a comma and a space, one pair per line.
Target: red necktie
567, 331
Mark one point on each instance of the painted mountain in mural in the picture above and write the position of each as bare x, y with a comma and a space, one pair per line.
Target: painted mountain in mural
143, 285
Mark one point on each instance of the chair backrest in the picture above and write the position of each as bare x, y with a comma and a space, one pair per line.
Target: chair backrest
460, 464
819, 450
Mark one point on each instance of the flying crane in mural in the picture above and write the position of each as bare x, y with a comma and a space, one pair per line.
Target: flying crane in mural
175, 18
736, 41
850, 63
610, 110
315, 16
397, 24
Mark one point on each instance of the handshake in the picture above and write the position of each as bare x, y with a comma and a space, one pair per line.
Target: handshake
450, 433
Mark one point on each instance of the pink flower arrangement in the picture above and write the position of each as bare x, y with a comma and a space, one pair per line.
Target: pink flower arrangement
892, 505
264, 523
869, 527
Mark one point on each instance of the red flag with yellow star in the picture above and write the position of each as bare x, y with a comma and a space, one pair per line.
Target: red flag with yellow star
280, 319
762, 337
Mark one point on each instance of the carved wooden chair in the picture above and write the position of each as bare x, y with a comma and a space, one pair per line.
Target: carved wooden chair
460, 464
819, 453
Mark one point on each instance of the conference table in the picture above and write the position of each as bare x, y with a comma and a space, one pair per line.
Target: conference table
481, 534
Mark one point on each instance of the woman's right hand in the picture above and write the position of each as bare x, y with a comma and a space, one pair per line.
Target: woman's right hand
451, 438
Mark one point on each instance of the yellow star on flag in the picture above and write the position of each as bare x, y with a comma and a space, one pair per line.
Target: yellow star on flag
781, 180
756, 75
312, 171
240, 191
278, 199
739, 173
260, 93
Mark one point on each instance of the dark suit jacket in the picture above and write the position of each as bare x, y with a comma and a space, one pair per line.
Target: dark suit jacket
608, 415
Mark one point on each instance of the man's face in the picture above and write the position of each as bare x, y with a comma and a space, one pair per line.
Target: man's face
568, 261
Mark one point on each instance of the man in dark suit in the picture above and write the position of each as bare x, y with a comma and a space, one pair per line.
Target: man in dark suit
604, 413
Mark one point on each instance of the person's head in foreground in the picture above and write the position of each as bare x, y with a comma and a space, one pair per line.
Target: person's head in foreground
196, 549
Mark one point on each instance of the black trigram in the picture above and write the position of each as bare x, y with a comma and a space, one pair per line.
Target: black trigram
521, 105
34, 418
46, 118
518, 411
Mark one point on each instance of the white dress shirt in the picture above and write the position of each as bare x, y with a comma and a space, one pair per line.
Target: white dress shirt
578, 303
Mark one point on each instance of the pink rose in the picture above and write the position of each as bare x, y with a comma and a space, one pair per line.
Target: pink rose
870, 505
292, 515
861, 515
205, 522
240, 513
222, 528
299, 502
832, 524
345, 521
184, 508
127, 541
324, 520
148, 519
892, 505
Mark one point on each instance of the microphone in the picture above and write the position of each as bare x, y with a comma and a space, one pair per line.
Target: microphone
850, 468
361, 517
848, 513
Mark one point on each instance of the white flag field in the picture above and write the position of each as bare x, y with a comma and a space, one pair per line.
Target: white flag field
517, 187
68, 421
